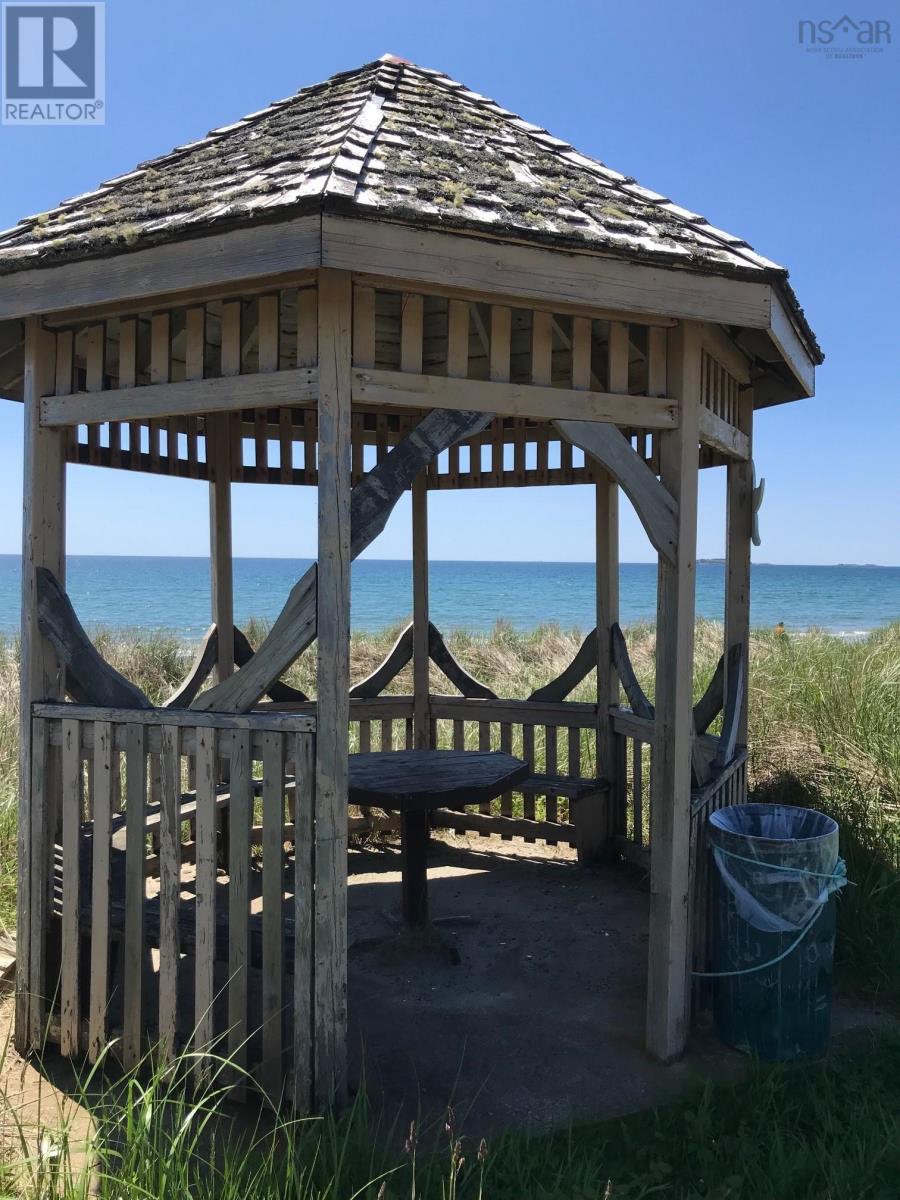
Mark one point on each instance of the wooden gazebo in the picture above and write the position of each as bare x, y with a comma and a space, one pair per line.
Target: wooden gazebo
384, 282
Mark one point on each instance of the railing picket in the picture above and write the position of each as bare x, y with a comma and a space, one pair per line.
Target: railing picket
305, 803
574, 737
103, 804
205, 904
550, 746
528, 755
637, 785
241, 810
506, 800
133, 950
484, 743
72, 798
40, 884
270, 1072
169, 886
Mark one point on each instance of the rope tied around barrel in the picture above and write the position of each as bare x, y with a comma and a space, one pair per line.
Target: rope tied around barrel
837, 876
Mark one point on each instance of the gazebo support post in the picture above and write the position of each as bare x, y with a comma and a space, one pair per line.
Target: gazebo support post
42, 673
598, 818
737, 561
421, 714
333, 683
222, 578
411, 344
222, 590
668, 995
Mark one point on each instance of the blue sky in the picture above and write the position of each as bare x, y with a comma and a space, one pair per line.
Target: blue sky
716, 105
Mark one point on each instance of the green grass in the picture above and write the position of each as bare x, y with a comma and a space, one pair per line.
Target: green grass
825, 1132
816, 1133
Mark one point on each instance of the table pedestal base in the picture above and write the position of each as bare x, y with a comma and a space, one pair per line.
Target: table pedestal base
414, 865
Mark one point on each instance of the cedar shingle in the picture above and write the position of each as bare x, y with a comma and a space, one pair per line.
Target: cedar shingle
391, 140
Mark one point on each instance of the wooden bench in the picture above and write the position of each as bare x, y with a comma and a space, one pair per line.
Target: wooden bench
557, 787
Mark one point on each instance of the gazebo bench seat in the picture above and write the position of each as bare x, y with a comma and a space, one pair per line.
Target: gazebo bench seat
562, 787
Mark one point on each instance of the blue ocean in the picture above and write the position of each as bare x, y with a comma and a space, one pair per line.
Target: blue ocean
172, 594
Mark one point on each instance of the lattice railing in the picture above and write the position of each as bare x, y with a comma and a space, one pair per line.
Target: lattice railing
171, 880
729, 786
267, 343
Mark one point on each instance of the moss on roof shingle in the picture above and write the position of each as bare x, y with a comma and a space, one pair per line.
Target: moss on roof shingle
389, 140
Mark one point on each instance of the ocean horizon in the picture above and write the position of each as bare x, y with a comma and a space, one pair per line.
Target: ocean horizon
172, 594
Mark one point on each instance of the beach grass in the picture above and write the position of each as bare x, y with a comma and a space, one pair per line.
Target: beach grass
827, 1131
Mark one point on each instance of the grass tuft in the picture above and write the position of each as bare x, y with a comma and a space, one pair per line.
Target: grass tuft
824, 1132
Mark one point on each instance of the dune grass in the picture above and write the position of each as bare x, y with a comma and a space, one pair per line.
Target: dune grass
823, 1132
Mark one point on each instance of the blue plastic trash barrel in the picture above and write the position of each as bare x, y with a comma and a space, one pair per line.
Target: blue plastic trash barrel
777, 872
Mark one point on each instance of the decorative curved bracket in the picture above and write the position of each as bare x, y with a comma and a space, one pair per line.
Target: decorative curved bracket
581, 665
455, 672
89, 677
710, 703
734, 701
205, 660
401, 654
640, 705
280, 692
656, 508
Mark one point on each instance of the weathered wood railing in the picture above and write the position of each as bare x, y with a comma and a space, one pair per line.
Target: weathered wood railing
557, 739
630, 806
178, 914
729, 786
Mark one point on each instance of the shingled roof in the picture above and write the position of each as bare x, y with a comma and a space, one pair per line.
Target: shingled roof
396, 141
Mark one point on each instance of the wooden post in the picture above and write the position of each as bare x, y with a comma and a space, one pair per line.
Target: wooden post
219, 451
737, 561
333, 682
598, 818
221, 561
593, 816
411, 344
219, 456
667, 991
421, 705
42, 674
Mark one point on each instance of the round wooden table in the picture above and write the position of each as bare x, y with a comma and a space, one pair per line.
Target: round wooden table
414, 783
